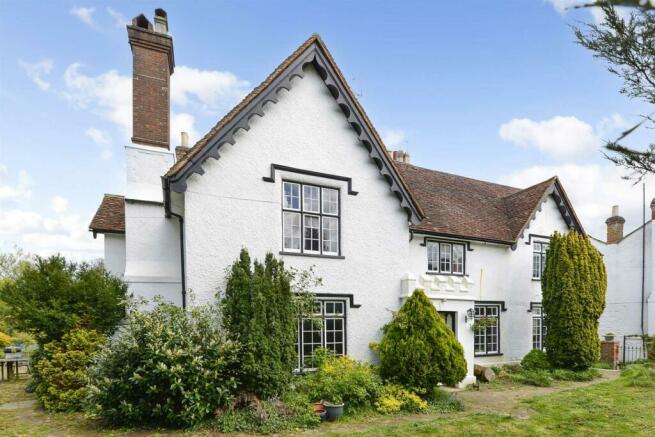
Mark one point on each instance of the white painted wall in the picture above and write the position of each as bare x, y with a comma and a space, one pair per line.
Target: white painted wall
115, 254
152, 249
230, 207
623, 262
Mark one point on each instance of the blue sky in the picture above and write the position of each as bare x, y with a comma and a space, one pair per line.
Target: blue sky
492, 90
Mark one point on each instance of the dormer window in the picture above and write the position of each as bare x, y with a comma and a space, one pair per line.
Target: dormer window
310, 219
445, 257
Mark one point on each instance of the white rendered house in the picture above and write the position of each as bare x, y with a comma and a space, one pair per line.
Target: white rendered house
297, 169
630, 300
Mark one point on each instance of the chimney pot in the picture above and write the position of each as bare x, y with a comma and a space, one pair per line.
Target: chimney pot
652, 208
614, 226
184, 140
161, 21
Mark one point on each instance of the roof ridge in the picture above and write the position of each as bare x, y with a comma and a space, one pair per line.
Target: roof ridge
463, 177
523, 190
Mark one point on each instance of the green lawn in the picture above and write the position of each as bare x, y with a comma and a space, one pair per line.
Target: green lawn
608, 408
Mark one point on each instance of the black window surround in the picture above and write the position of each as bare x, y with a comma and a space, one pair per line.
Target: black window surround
430, 243
311, 220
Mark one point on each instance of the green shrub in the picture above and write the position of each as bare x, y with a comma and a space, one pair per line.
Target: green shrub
290, 412
52, 296
62, 384
418, 350
572, 375
512, 368
166, 367
22, 338
443, 402
393, 398
5, 340
573, 287
603, 365
342, 379
535, 360
539, 378
260, 312
639, 375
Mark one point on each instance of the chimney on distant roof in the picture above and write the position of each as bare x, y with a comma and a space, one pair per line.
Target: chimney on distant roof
183, 148
652, 209
152, 66
614, 226
400, 156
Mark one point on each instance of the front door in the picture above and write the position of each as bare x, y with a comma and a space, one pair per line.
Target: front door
450, 317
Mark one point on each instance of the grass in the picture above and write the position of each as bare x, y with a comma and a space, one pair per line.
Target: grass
608, 408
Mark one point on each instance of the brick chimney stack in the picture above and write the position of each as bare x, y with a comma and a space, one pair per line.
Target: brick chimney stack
152, 66
400, 156
652, 209
614, 226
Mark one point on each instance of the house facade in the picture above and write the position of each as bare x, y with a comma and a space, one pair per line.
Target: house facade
630, 299
297, 169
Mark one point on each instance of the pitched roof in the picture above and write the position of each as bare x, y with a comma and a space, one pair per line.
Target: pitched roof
462, 207
110, 216
312, 51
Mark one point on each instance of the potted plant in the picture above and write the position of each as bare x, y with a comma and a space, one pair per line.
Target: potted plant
609, 336
319, 409
334, 409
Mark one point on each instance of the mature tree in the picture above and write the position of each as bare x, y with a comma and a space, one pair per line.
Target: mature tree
260, 312
51, 296
418, 350
628, 46
573, 286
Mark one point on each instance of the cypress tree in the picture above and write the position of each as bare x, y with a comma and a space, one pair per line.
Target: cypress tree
573, 287
260, 313
418, 349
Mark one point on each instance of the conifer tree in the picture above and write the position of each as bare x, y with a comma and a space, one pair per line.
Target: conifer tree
260, 313
573, 288
418, 349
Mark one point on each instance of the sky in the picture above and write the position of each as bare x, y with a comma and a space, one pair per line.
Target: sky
497, 91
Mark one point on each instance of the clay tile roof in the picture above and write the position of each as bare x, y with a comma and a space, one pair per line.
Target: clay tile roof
464, 207
110, 216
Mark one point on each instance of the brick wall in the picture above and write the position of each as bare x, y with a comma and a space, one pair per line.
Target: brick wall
609, 353
614, 229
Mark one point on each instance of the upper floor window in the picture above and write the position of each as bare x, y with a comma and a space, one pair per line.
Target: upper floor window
538, 259
310, 219
445, 257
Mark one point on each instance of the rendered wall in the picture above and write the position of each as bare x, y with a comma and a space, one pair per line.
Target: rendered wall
115, 254
230, 207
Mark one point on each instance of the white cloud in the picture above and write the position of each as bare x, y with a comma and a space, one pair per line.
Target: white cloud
18, 192
593, 189
84, 14
561, 137
393, 138
101, 138
59, 204
119, 19
36, 71
108, 94
183, 122
213, 90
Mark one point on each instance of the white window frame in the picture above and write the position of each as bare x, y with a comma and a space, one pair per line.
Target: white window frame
539, 249
538, 327
307, 208
434, 251
481, 338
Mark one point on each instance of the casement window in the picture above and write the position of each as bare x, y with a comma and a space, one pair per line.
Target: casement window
326, 328
538, 327
538, 259
487, 338
310, 219
447, 258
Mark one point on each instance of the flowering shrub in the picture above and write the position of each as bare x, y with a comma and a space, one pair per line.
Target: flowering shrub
5, 340
62, 370
342, 379
393, 398
165, 367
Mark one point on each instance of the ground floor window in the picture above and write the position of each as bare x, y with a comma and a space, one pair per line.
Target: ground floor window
326, 328
487, 330
450, 317
538, 328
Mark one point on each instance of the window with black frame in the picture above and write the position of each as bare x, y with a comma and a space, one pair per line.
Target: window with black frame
310, 219
445, 257
325, 328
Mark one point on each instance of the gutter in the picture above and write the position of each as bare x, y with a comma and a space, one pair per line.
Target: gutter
169, 213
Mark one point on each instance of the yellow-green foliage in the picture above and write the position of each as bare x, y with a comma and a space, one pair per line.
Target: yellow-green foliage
418, 350
393, 398
22, 338
62, 371
5, 340
573, 288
